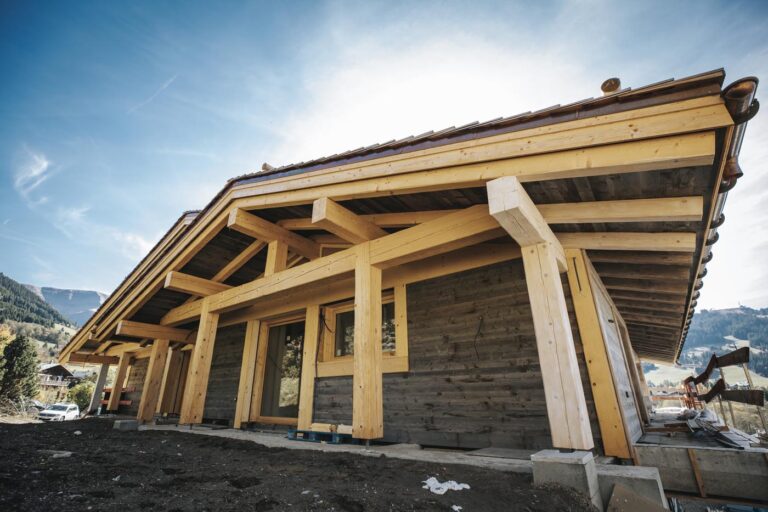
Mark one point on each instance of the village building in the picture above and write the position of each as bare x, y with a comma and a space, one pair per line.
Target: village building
491, 285
54, 382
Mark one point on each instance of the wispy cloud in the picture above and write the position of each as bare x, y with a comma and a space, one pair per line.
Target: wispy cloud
154, 95
32, 172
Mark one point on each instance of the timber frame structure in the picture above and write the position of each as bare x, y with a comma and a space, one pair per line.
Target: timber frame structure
501, 281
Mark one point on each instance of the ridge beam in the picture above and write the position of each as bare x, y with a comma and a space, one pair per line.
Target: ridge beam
332, 217
514, 210
152, 331
256, 227
193, 285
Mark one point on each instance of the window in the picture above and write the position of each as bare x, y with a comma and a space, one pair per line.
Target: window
280, 396
345, 330
338, 334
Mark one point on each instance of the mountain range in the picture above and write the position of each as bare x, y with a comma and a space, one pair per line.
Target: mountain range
76, 305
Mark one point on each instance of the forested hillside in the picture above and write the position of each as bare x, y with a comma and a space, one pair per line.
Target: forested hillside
19, 304
723, 330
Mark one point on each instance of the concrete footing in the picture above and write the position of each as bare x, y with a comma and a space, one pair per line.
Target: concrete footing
574, 469
643, 481
126, 425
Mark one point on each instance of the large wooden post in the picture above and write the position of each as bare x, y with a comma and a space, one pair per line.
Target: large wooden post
117, 387
153, 381
607, 406
367, 393
99, 389
543, 260
196, 387
309, 367
175, 378
247, 370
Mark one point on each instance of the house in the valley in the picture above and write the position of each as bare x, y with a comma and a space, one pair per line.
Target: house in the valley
54, 382
491, 285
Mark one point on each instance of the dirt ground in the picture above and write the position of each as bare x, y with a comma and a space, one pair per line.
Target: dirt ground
154, 470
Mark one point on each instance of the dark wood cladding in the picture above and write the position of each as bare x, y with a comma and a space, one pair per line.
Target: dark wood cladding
221, 398
474, 378
135, 381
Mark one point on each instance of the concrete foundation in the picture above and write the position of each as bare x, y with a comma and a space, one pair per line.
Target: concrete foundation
643, 481
126, 425
724, 472
575, 469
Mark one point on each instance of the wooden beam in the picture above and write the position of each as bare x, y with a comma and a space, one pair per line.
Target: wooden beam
193, 404
566, 406
247, 372
367, 390
607, 407
238, 261
92, 359
464, 228
251, 225
514, 210
622, 270
336, 219
665, 209
117, 386
193, 285
641, 258
309, 367
674, 242
436, 266
150, 394
667, 286
152, 331
258, 374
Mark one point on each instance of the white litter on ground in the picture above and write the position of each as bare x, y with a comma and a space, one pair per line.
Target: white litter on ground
456, 508
436, 487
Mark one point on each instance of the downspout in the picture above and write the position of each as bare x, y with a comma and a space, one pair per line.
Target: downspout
742, 105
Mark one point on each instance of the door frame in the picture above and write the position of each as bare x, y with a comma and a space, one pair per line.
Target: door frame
260, 372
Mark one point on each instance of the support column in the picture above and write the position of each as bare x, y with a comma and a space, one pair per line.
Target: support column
117, 387
277, 257
99, 389
153, 381
196, 387
367, 393
566, 406
175, 377
309, 367
607, 406
247, 370
543, 260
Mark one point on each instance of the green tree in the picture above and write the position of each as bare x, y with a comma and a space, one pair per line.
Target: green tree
81, 394
21, 365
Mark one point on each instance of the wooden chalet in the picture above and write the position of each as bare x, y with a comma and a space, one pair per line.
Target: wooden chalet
495, 284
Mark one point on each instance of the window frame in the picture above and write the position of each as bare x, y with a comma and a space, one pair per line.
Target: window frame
331, 365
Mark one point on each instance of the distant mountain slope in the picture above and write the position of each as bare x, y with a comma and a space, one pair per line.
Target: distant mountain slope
722, 330
77, 305
20, 304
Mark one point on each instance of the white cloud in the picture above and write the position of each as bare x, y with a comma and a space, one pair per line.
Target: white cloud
33, 171
372, 93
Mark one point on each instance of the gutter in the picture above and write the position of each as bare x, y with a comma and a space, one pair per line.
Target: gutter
741, 103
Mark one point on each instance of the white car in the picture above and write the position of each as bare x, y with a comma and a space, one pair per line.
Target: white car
60, 412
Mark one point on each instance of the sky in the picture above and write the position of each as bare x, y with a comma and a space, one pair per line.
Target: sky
115, 117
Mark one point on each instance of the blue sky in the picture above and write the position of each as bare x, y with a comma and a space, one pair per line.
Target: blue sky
118, 116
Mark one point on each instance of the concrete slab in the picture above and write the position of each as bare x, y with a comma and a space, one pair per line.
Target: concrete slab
126, 425
397, 451
624, 499
643, 481
503, 453
571, 469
